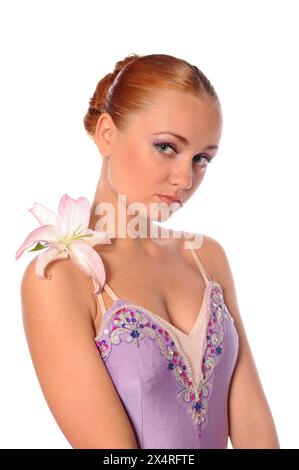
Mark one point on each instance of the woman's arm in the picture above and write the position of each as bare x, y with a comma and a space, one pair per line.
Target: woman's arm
250, 420
72, 375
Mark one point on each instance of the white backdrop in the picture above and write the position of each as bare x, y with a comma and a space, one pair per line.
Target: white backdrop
52, 55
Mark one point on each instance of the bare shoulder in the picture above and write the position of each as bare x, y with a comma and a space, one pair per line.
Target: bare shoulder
210, 252
63, 279
215, 260
215, 255
55, 303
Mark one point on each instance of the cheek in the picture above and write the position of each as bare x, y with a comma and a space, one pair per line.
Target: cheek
199, 176
141, 166
133, 172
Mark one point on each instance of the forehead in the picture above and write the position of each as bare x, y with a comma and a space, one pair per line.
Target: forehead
182, 113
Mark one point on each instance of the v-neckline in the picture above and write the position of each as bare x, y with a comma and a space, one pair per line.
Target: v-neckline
157, 317
123, 303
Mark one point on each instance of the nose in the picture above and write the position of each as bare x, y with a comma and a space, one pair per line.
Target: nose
181, 175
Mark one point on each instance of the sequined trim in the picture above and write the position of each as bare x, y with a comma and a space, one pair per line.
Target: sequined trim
132, 323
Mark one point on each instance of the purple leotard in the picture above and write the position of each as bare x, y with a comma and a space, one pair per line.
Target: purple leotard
174, 386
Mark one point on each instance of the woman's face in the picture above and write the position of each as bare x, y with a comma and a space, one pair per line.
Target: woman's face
147, 161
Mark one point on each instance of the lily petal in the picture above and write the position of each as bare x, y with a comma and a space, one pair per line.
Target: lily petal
42, 260
88, 260
46, 233
97, 237
74, 213
44, 215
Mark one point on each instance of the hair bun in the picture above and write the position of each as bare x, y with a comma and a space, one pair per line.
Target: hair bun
121, 64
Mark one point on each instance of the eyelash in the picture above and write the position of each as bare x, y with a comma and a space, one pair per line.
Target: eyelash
207, 158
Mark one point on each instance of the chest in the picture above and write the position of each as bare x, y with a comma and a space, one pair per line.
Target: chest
172, 287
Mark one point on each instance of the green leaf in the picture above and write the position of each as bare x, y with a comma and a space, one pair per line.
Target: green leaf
38, 246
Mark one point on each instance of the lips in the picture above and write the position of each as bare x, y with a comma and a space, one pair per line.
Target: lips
169, 199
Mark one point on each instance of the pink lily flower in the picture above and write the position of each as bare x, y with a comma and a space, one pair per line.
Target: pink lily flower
67, 234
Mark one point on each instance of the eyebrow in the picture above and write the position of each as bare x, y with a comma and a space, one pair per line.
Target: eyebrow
184, 140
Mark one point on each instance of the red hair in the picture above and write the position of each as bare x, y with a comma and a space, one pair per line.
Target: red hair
132, 85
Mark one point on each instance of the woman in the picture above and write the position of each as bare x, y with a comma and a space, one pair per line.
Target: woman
141, 365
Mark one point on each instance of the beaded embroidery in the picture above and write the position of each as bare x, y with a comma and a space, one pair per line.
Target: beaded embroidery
133, 323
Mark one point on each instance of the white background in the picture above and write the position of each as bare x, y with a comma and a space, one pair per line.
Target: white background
53, 53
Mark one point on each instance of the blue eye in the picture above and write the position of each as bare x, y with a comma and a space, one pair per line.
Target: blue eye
164, 144
204, 159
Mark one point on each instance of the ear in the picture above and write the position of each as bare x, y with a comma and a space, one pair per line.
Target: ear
104, 134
